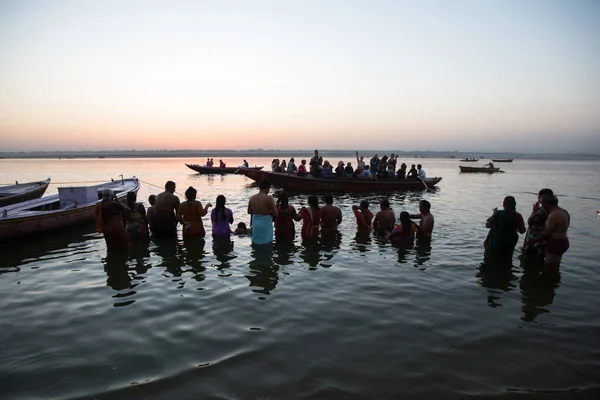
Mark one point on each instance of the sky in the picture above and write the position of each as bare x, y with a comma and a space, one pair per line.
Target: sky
478, 75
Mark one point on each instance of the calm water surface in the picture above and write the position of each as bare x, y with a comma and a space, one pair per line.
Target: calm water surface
347, 317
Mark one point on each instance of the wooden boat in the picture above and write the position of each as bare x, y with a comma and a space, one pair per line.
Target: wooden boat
203, 169
295, 183
486, 170
502, 159
72, 205
22, 192
469, 160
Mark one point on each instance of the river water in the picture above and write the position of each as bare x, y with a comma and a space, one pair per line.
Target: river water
348, 317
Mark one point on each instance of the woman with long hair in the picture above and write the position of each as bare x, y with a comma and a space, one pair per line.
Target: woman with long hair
190, 215
404, 232
284, 223
136, 222
311, 218
221, 217
502, 236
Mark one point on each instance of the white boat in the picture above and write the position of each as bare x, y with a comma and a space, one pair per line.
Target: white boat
19, 192
72, 205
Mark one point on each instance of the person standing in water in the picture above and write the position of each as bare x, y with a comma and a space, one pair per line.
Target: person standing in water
425, 227
164, 222
190, 215
311, 218
111, 221
502, 237
536, 223
284, 223
555, 233
331, 216
221, 218
364, 217
263, 211
385, 219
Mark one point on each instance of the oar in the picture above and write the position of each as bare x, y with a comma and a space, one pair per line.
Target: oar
424, 184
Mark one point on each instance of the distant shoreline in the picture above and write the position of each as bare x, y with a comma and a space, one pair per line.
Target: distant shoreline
285, 153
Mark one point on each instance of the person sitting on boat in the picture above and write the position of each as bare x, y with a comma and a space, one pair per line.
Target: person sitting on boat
221, 217
366, 173
302, 168
413, 174
316, 165
502, 236
284, 223
327, 171
274, 165
349, 171
489, 165
164, 221
382, 169
385, 219
401, 174
208, 162
421, 171
331, 216
111, 213
150, 211
339, 170
404, 232
222, 164
246, 165
190, 215
360, 162
263, 211
374, 163
136, 222
363, 216
291, 167
311, 218
283, 166
536, 223
212, 163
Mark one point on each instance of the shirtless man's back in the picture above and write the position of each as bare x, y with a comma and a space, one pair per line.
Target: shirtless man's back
262, 210
331, 216
164, 222
555, 234
385, 219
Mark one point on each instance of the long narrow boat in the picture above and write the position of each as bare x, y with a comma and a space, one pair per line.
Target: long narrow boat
203, 169
486, 170
295, 183
19, 192
502, 159
72, 205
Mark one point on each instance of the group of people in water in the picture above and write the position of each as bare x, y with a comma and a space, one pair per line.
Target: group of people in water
123, 222
376, 168
546, 232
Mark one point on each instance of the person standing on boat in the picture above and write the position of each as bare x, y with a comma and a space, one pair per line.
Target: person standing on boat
502, 237
136, 222
284, 223
331, 216
360, 162
536, 223
316, 164
425, 228
391, 166
385, 219
263, 211
190, 214
164, 222
555, 233
111, 214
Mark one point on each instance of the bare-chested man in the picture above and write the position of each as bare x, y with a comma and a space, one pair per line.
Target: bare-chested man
164, 223
331, 216
425, 227
262, 210
385, 219
555, 233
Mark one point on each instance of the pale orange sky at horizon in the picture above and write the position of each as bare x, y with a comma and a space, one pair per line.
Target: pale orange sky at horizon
244, 75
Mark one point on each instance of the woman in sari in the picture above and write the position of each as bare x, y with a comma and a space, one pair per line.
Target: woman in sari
284, 223
404, 233
311, 218
502, 237
221, 217
136, 222
110, 214
190, 215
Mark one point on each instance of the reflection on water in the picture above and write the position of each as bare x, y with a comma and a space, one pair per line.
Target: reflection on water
310, 252
117, 270
362, 242
223, 251
284, 251
262, 272
172, 255
497, 278
537, 289
422, 252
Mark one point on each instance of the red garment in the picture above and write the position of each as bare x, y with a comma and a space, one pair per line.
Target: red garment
363, 220
284, 224
400, 236
311, 220
301, 170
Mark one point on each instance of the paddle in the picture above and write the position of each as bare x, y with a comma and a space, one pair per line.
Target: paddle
424, 184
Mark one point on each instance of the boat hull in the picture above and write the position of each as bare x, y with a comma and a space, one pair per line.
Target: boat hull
502, 160
20, 220
295, 183
203, 169
23, 192
478, 170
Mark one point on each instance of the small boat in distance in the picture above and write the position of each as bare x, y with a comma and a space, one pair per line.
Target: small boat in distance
486, 170
203, 169
469, 160
502, 159
19, 192
72, 205
294, 183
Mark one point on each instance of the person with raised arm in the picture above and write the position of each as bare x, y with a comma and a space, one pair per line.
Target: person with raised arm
364, 217
536, 223
190, 215
426, 221
263, 211
360, 162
